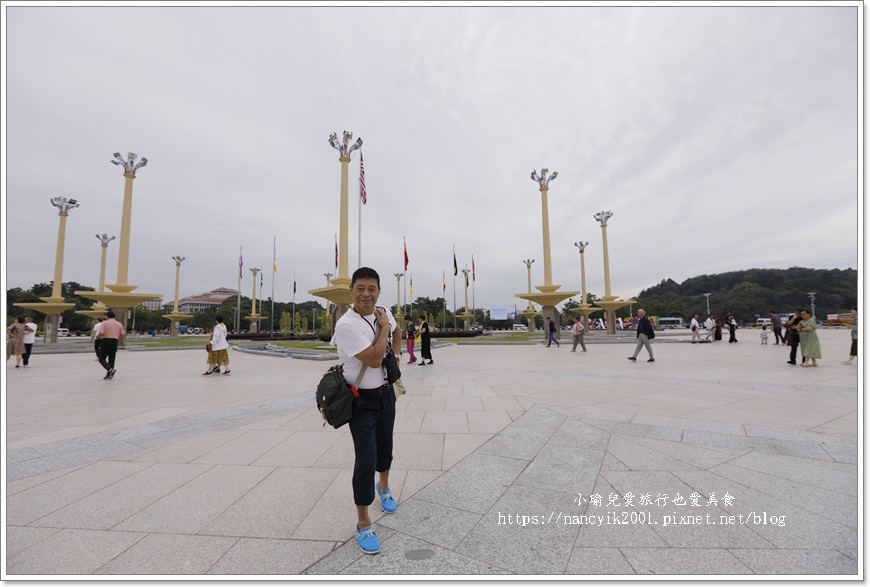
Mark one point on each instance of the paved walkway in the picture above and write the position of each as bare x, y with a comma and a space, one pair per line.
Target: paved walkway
510, 460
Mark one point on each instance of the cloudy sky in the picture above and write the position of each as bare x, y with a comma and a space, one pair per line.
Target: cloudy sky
720, 137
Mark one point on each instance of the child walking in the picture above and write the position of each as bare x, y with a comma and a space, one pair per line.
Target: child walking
764, 334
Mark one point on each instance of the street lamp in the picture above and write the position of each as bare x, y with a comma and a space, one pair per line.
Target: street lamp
544, 183
582, 247
812, 295
707, 295
398, 277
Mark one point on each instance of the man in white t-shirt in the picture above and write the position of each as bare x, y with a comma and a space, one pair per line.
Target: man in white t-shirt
362, 335
29, 339
696, 329
95, 331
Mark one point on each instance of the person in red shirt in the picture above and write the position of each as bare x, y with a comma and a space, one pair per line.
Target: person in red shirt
111, 332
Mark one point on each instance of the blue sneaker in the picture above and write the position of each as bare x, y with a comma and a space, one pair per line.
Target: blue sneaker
368, 540
388, 504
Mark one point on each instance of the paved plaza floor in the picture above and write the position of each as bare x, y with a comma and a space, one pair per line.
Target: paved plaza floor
716, 459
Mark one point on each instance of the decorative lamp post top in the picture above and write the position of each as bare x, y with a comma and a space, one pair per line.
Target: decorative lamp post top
344, 148
528, 263
130, 165
178, 260
543, 180
581, 245
64, 205
104, 239
255, 270
398, 275
603, 217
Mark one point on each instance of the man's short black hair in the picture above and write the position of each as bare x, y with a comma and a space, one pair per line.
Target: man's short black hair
110, 313
219, 319
365, 273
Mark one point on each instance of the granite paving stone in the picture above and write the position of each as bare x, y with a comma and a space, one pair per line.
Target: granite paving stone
20, 537
39, 501
564, 469
544, 543
275, 507
475, 483
108, 507
71, 552
271, 495
192, 507
598, 561
259, 556
434, 523
169, 554
684, 561
791, 562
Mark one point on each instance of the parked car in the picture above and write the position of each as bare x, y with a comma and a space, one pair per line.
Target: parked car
63, 331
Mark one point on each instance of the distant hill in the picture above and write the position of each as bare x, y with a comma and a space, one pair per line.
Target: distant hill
754, 292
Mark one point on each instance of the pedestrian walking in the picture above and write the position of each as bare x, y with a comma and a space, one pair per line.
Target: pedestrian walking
425, 342
793, 336
362, 335
776, 327
410, 335
111, 333
551, 332
219, 355
718, 335
696, 329
94, 339
710, 324
29, 340
579, 330
15, 341
809, 340
764, 334
645, 333
853, 352
732, 328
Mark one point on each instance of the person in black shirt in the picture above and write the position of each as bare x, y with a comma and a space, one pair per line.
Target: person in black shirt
645, 333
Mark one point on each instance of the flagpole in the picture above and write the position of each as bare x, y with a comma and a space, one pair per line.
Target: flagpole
274, 268
405, 275
293, 325
359, 224
444, 297
239, 295
473, 281
454, 287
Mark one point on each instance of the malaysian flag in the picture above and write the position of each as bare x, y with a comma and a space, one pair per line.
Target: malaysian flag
336, 253
241, 263
406, 256
362, 178
473, 274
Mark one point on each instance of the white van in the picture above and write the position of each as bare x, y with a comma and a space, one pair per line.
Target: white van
63, 331
522, 327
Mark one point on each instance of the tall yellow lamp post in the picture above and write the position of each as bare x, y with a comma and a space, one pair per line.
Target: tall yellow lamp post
176, 316
549, 297
610, 303
53, 306
530, 312
254, 317
98, 310
121, 297
585, 309
466, 315
338, 290
399, 316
